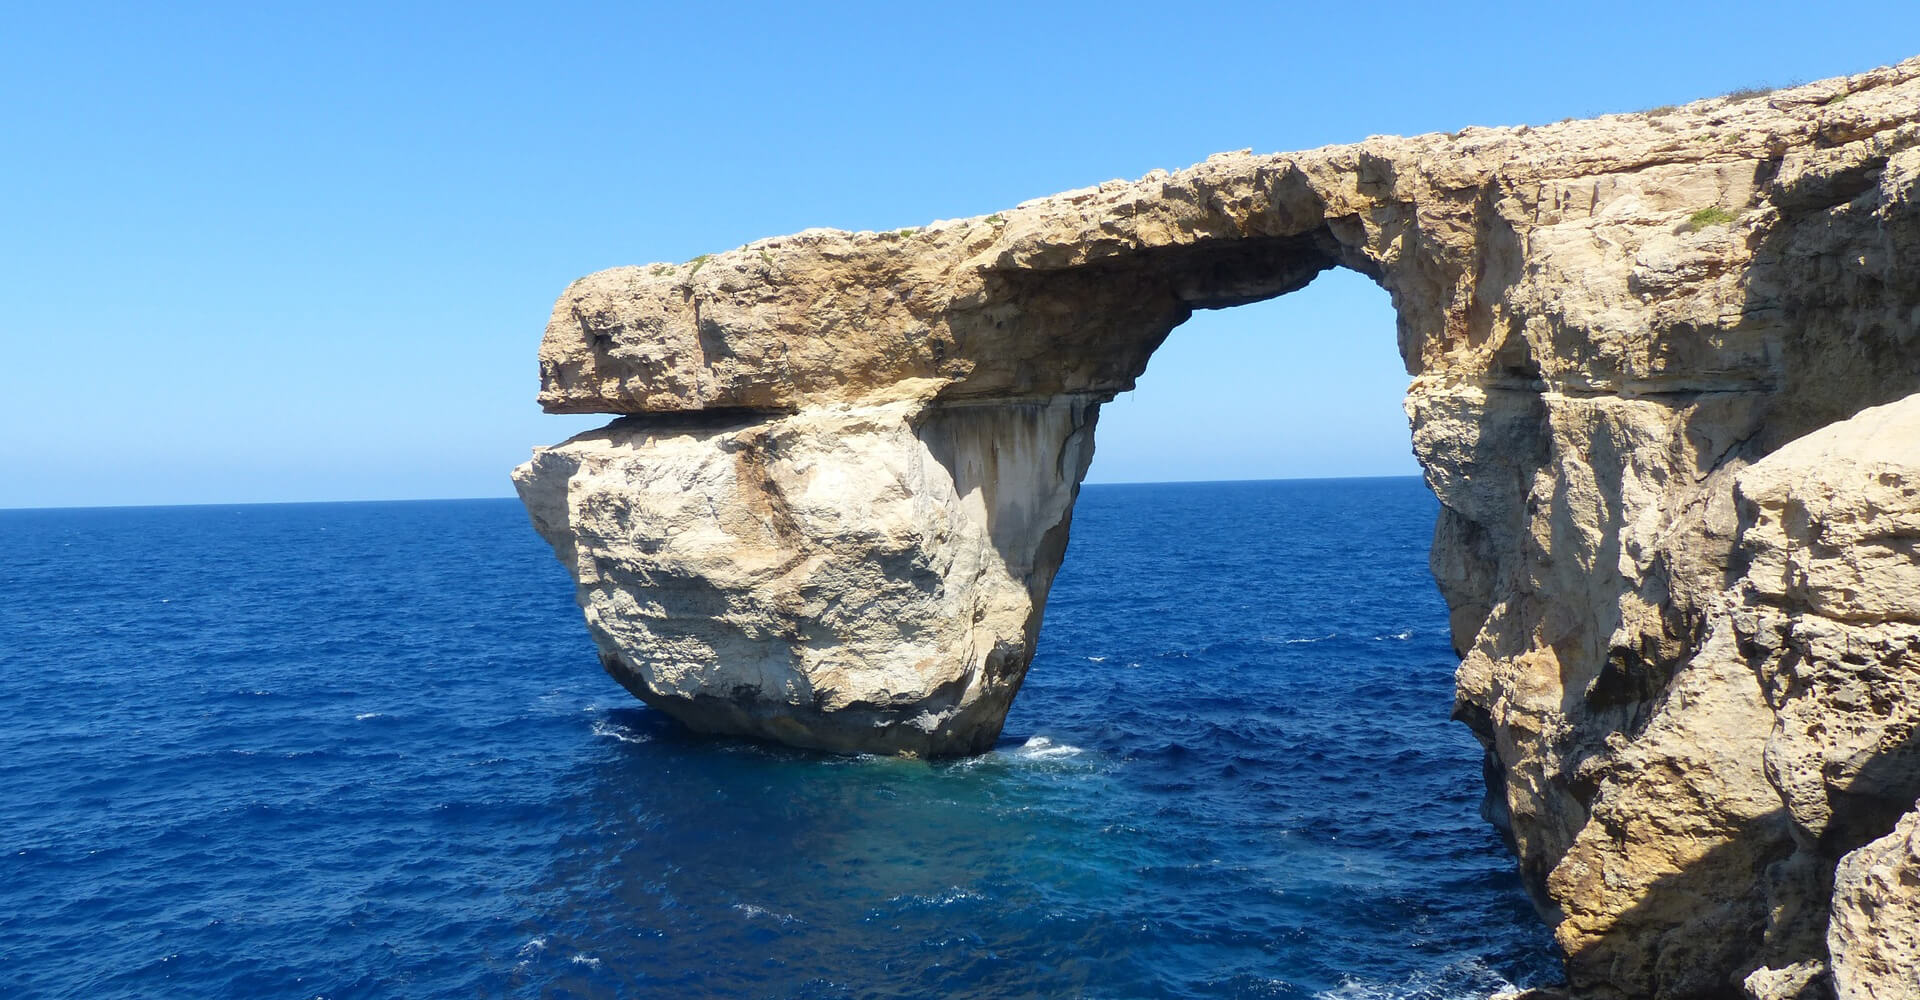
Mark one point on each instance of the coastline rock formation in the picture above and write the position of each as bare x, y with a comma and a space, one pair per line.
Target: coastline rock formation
855, 578
1680, 560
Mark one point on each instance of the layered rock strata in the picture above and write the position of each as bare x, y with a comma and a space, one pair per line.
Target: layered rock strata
844, 484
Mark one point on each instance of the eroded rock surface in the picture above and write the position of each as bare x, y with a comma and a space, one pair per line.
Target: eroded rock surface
862, 578
1875, 936
1827, 613
834, 513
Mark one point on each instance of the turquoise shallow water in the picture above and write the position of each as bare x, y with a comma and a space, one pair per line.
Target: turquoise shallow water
364, 750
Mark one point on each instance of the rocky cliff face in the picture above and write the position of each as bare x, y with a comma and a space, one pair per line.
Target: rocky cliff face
1688, 645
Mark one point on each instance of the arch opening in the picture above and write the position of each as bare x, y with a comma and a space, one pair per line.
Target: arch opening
1304, 385
1246, 618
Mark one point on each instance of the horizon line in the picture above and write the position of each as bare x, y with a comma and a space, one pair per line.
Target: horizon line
310, 503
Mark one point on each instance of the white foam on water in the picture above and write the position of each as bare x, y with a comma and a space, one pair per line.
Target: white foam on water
1041, 748
533, 946
1096, 659
1322, 638
624, 736
586, 960
1402, 635
364, 716
953, 894
753, 912
1467, 980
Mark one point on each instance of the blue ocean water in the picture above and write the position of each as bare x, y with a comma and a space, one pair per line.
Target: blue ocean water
365, 750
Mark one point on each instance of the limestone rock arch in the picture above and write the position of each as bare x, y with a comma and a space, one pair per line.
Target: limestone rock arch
846, 463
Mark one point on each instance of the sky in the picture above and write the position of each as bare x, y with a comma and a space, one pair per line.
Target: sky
276, 252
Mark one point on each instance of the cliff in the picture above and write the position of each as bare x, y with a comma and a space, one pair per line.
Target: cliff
1678, 557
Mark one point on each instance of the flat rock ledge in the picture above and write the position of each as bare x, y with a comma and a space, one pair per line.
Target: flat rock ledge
1663, 382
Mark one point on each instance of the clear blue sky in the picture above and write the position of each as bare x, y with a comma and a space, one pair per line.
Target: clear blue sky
285, 252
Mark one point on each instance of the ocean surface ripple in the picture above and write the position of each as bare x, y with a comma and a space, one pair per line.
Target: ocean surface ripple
365, 750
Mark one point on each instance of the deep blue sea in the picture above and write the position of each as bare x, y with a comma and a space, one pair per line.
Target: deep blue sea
366, 750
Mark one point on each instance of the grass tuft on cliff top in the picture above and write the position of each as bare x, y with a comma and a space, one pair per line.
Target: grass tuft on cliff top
1711, 216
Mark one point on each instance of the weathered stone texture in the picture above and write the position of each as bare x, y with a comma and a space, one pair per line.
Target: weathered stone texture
835, 513
849, 578
1875, 934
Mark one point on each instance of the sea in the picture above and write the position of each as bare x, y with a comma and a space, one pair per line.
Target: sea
366, 750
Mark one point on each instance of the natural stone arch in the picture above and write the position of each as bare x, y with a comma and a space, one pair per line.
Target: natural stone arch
848, 472
985, 422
